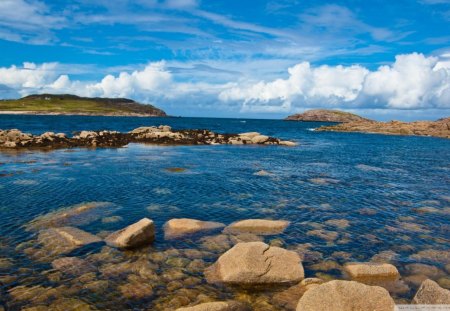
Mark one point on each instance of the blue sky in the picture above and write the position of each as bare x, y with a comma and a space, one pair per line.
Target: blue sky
234, 58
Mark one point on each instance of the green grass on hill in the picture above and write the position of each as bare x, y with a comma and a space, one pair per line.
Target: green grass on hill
73, 104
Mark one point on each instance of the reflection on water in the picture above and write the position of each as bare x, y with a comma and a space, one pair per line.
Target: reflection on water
349, 197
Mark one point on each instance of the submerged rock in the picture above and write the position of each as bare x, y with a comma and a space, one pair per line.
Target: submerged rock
257, 226
66, 238
346, 295
217, 306
80, 214
256, 263
135, 235
184, 226
73, 265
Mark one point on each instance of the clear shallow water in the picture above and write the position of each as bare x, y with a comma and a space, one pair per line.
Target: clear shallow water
393, 191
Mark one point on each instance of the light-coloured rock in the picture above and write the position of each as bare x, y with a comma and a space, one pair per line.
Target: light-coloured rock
260, 139
430, 293
346, 295
183, 226
371, 270
288, 143
217, 306
249, 135
257, 226
256, 263
135, 235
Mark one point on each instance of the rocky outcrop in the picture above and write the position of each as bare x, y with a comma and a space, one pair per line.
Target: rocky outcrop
371, 270
257, 226
430, 293
179, 227
162, 135
217, 306
346, 295
323, 115
439, 128
135, 235
256, 263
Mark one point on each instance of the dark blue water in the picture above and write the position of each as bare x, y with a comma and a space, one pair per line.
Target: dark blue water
394, 191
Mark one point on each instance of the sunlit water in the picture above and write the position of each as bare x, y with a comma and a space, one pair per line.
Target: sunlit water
393, 191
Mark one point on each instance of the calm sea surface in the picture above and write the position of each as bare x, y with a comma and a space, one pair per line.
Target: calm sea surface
386, 196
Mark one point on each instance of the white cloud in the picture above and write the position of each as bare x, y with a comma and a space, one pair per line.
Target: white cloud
412, 82
28, 20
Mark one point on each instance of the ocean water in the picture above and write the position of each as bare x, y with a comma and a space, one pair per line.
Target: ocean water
348, 196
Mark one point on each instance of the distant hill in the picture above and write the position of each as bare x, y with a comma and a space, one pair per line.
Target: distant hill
323, 115
75, 105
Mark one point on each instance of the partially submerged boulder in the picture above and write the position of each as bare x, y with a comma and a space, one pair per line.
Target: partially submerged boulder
257, 226
55, 241
430, 293
80, 214
346, 295
135, 235
217, 306
179, 227
371, 270
256, 263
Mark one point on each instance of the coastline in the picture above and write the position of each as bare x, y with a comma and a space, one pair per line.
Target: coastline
48, 113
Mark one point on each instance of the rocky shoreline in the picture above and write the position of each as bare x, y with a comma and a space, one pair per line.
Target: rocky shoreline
161, 135
237, 261
324, 115
439, 128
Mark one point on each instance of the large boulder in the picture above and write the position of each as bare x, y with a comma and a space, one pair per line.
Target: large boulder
430, 293
135, 235
371, 270
256, 263
346, 295
217, 306
257, 226
183, 226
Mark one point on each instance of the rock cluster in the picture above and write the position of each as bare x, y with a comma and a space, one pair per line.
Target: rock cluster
153, 135
439, 128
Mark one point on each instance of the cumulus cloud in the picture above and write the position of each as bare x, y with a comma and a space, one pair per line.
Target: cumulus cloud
413, 81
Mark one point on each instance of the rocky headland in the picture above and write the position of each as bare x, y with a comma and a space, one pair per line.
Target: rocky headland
439, 128
66, 104
161, 135
324, 115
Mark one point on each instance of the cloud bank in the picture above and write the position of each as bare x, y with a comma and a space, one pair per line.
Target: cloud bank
412, 82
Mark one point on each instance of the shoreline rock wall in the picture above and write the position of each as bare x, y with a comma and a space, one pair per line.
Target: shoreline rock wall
162, 135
